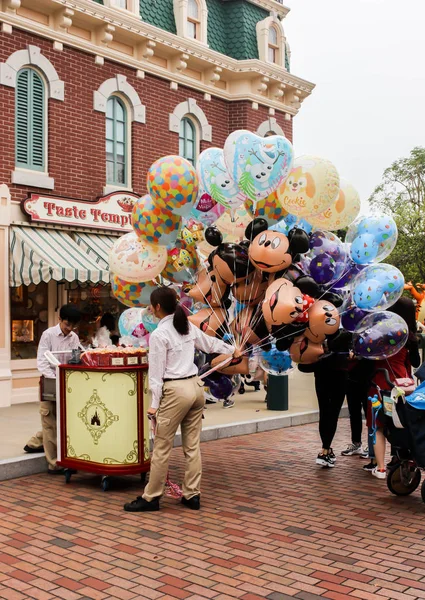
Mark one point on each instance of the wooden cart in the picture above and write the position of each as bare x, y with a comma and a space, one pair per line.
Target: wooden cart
102, 422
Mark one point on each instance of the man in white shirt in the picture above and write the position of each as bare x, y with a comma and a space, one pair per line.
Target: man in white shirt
59, 338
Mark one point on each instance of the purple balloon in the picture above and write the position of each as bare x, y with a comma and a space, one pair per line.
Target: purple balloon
352, 317
220, 386
351, 270
322, 268
380, 335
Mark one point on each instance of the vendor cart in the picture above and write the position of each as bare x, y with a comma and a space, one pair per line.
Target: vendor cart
102, 422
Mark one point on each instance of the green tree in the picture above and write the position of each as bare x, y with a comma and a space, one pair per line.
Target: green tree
402, 193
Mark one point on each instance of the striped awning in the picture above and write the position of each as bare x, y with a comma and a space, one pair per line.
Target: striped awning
96, 246
44, 254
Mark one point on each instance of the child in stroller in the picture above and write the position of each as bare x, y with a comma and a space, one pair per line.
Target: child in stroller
404, 428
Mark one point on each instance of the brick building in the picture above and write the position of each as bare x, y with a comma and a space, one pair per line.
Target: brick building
91, 93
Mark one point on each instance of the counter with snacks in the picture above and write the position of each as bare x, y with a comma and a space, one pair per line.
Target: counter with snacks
101, 414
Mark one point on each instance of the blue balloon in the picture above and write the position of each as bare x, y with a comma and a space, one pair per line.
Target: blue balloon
275, 362
368, 294
364, 249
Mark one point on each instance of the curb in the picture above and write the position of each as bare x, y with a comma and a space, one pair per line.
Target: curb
22, 466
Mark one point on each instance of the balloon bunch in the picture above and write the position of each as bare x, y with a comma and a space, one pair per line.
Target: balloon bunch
248, 241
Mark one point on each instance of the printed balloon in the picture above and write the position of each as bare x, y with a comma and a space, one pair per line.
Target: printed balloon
154, 224
377, 287
311, 187
342, 212
257, 165
380, 335
132, 293
133, 259
182, 263
275, 362
372, 238
129, 320
216, 179
150, 322
268, 208
326, 259
173, 184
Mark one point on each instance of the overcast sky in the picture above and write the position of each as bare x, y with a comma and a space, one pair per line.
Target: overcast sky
367, 59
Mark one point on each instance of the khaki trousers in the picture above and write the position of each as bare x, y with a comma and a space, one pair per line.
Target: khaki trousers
182, 403
48, 424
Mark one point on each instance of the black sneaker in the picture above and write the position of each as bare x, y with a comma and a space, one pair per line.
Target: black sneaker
331, 455
194, 503
369, 467
324, 460
140, 504
58, 471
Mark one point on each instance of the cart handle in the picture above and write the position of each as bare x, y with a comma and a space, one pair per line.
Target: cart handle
52, 359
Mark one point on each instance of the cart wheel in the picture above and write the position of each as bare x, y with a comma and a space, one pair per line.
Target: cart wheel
105, 483
68, 474
143, 477
423, 491
241, 390
403, 479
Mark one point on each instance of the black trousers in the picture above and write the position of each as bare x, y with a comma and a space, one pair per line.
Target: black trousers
331, 388
357, 394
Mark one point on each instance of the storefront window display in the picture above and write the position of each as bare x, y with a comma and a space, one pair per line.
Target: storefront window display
93, 301
29, 316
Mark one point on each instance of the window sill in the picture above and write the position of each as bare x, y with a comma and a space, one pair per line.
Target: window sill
109, 188
33, 179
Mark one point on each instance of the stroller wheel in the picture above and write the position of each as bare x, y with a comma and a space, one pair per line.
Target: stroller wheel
423, 491
404, 478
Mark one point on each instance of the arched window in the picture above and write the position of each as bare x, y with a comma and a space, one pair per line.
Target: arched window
273, 45
116, 142
30, 108
187, 140
193, 20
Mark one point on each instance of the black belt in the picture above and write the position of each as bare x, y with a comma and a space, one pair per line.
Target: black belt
180, 378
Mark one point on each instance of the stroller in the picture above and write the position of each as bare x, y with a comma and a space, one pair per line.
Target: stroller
404, 428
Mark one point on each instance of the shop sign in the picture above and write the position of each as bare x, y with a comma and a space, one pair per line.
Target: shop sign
111, 212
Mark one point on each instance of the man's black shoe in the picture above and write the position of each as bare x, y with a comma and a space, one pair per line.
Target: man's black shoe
33, 450
56, 471
140, 505
194, 503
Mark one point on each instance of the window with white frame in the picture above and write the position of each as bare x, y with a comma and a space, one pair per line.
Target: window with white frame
188, 140
193, 20
116, 142
130, 5
191, 17
271, 41
273, 45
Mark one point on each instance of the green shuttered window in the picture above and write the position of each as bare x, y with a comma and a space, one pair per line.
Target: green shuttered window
187, 140
30, 120
116, 142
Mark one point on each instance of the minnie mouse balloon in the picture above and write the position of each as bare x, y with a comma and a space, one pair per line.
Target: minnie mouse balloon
311, 187
136, 260
342, 212
216, 179
257, 165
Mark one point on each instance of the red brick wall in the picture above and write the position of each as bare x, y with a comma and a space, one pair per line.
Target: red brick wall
76, 132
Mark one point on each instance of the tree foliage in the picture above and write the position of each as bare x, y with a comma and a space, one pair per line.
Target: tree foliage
402, 193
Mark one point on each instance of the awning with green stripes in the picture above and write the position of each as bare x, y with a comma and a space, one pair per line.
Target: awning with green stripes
43, 254
96, 246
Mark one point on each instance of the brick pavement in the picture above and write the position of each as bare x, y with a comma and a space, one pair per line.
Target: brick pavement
273, 525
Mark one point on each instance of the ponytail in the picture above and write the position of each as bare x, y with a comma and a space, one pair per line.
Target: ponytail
167, 298
180, 321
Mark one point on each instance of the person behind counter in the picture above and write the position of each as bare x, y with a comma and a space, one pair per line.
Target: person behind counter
59, 338
106, 334
177, 397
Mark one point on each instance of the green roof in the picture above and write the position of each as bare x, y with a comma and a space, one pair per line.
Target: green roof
231, 24
159, 13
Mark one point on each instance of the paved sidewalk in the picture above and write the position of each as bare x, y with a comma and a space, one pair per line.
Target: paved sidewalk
272, 525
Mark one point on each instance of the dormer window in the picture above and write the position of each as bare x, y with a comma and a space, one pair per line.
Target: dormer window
273, 45
271, 41
131, 6
191, 18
